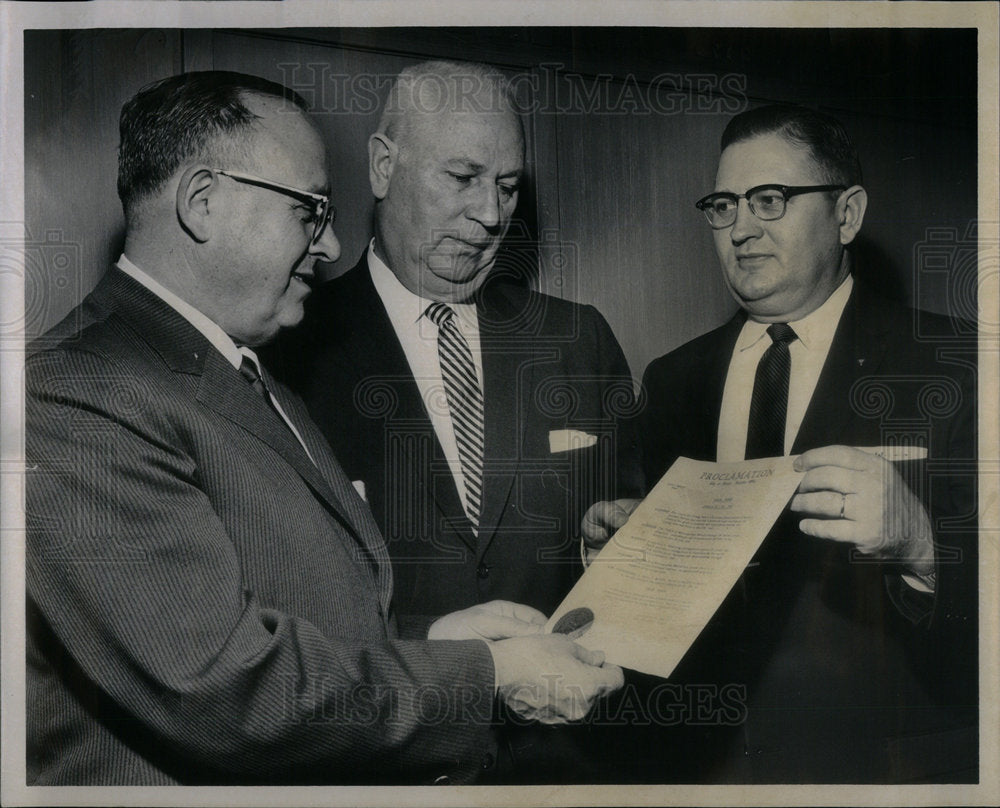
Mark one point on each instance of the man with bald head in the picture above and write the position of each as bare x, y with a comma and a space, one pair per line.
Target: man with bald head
209, 599
480, 417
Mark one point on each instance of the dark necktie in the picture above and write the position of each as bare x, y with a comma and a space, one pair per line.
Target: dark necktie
766, 428
249, 371
465, 403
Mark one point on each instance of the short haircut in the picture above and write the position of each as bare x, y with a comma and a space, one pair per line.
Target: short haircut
824, 136
200, 115
436, 86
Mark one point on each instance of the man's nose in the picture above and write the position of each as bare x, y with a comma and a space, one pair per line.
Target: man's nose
485, 207
747, 225
327, 247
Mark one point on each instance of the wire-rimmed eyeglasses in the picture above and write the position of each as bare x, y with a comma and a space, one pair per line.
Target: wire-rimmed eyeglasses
767, 202
323, 213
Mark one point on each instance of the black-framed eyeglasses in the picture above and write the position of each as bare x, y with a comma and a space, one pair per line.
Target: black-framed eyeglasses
766, 202
323, 213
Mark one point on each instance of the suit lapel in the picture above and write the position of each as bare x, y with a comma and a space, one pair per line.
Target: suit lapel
221, 388
375, 551
508, 380
857, 350
710, 387
375, 353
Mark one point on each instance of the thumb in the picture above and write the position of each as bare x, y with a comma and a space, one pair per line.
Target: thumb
588, 657
529, 614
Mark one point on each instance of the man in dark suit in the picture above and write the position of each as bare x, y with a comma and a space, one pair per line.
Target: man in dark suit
209, 600
476, 505
480, 418
853, 629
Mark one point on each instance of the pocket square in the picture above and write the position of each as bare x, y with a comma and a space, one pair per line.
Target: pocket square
359, 486
564, 440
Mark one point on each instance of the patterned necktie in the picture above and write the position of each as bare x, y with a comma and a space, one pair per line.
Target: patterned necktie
465, 403
766, 429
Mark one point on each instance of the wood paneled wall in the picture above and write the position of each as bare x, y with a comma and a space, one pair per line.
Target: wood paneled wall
623, 128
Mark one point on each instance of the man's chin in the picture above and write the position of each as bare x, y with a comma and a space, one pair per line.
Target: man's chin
455, 281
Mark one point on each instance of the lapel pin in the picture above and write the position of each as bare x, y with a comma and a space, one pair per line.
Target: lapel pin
861, 361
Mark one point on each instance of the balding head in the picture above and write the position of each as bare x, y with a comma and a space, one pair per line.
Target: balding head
445, 165
423, 93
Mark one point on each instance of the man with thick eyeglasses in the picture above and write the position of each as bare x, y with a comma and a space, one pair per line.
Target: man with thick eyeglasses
209, 599
853, 629
321, 213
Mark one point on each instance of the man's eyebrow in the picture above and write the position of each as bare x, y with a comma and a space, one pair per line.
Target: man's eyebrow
466, 163
471, 165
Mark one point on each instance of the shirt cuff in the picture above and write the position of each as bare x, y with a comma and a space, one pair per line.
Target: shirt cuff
922, 583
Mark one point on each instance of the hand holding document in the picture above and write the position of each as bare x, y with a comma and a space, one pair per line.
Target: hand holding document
661, 577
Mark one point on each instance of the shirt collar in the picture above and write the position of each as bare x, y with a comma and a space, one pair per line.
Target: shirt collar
209, 329
400, 303
815, 329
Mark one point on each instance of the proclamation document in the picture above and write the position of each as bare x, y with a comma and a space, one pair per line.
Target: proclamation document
661, 577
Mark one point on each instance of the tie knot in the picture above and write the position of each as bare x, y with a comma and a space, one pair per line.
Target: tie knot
249, 370
781, 332
439, 313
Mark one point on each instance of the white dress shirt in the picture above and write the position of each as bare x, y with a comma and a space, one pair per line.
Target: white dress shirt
220, 340
808, 353
418, 335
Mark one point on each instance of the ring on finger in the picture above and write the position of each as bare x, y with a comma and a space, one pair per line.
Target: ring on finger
843, 504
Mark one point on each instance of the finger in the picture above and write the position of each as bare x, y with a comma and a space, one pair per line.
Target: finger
845, 456
501, 628
603, 518
593, 527
834, 529
614, 678
834, 478
825, 504
622, 510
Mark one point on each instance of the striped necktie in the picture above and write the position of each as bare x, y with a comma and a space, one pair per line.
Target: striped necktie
766, 428
465, 404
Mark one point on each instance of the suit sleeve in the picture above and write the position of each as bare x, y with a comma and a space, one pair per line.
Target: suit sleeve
618, 399
133, 570
946, 627
655, 420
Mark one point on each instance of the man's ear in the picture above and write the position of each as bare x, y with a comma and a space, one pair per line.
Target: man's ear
382, 154
194, 202
851, 208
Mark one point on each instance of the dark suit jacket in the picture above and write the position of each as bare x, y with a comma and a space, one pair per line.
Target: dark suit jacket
548, 364
204, 604
850, 675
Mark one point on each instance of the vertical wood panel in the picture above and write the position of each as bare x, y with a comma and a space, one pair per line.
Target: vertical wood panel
613, 193
626, 188
75, 85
